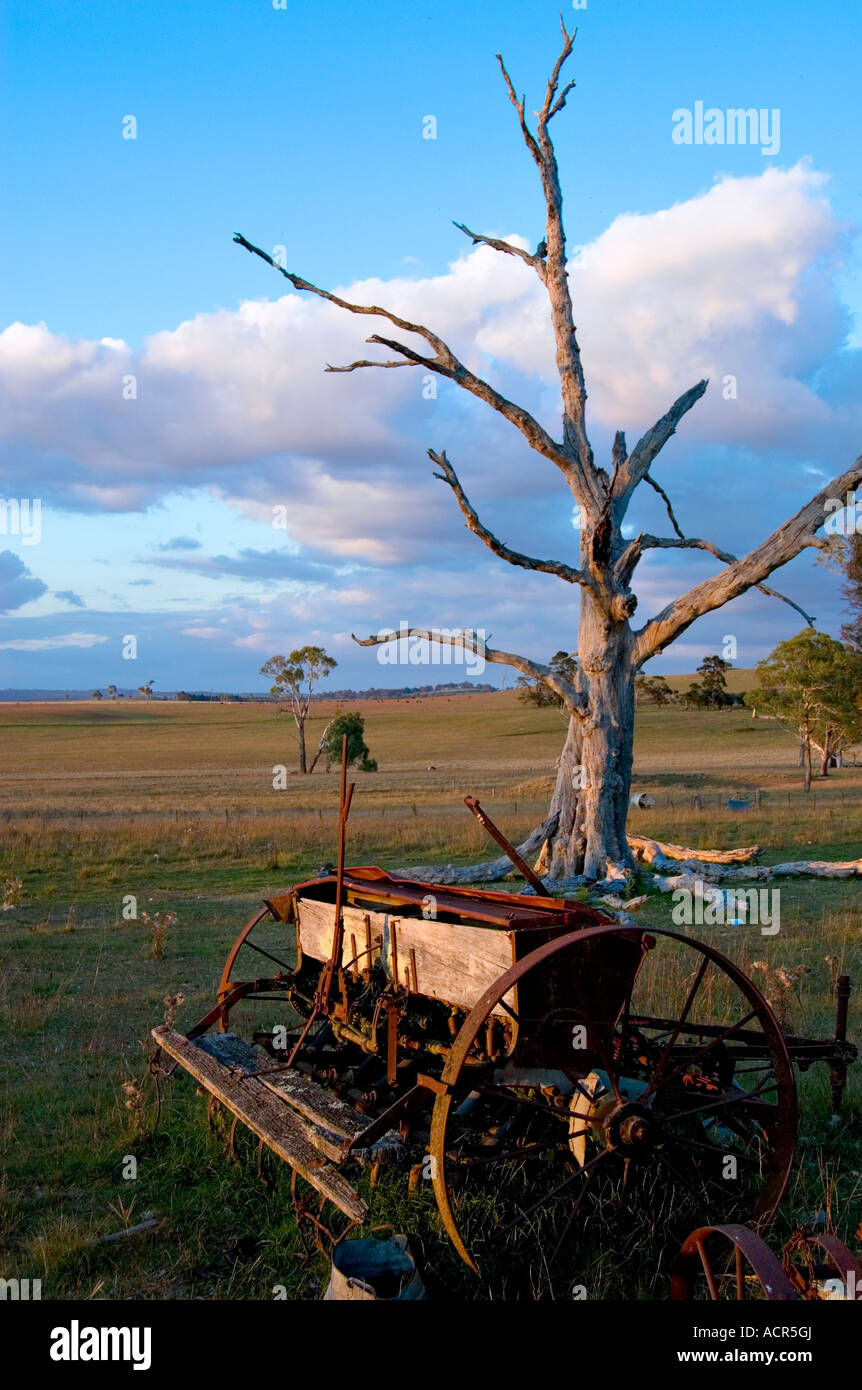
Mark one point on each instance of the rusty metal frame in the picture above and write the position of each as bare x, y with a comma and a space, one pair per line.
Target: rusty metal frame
510, 979
748, 1248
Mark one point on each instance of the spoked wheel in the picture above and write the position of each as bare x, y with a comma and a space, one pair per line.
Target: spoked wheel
253, 944
821, 1267
640, 1083
728, 1264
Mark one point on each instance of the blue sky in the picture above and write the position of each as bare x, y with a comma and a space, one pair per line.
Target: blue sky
302, 128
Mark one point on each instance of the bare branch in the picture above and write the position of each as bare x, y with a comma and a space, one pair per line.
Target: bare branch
352, 366
786, 542
519, 107
445, 364
648, 478
642, 455
644, 542
574, 701
299, 284
590, 488
537, 262
448, 475
551, 107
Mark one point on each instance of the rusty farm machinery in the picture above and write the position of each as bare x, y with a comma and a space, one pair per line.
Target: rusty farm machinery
561, 1078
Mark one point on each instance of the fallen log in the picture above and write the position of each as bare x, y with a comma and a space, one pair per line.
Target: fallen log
762, 873
489, 872
656, 850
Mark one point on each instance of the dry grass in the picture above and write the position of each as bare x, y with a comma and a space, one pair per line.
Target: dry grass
174, 803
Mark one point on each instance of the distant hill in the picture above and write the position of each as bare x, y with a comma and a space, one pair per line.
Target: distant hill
131, 693
738, 680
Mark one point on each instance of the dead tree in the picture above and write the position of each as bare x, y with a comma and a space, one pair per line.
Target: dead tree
591, 796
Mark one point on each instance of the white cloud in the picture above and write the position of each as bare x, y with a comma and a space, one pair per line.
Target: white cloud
738, 280
46, 644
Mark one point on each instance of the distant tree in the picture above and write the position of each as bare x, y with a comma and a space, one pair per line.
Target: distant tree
714, 685
112, 691
654, 690
353, 725
295, 677
146, 690
537, 692
182, 695
96, 695
812, 684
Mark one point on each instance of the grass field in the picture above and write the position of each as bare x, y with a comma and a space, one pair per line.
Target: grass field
174, 804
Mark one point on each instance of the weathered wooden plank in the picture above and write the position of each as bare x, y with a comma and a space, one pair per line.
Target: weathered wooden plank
267, 1116
316, 1104
453, 962
316, 923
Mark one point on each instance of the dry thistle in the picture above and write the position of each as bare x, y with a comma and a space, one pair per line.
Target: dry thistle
779, 983
11, 892
172, 1003
134, 1093
159, 924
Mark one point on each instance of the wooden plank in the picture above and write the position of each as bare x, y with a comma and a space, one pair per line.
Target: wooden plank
316, 1104
328, 1122
315, 926
453, 962
266, 1116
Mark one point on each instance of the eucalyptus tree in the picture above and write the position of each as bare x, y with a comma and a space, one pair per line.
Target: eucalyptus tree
593, 781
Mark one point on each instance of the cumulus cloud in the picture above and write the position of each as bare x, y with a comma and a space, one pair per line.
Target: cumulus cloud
69, 596
17, 585
736, 282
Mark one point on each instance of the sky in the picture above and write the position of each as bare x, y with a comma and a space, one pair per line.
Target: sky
205, 487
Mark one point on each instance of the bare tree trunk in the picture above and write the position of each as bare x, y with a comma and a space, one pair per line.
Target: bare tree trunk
300, 724
594, 771
320, 747
806, 786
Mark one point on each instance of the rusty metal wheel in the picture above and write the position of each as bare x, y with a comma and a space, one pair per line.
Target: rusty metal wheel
641, 1082
231, 992
728, 1263
821, 1267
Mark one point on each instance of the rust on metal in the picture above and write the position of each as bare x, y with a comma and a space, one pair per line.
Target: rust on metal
474, 1073
704, 1255
506, 846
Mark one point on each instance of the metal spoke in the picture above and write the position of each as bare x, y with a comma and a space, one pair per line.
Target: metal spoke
554, 1192
703, 1051
744, 1099
261, 952
707, 1269
678, 1028
571, 1218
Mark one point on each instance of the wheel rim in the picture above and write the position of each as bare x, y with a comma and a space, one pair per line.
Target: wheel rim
728, 1263
714, 1082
